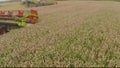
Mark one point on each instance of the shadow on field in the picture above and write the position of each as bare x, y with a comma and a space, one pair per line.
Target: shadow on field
6, 27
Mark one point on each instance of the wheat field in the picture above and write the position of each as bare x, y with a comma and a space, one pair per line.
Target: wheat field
69, 34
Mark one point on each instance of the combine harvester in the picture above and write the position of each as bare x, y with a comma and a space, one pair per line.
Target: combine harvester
36, 3
17, 18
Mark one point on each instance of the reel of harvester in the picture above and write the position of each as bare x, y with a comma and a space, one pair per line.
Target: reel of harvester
21, 18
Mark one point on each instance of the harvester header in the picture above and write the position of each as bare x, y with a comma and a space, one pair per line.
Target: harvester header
21, 17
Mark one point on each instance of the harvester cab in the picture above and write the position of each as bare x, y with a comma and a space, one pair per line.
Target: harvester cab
21, 18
